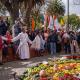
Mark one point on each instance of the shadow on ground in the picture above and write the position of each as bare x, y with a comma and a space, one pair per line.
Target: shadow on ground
19, 67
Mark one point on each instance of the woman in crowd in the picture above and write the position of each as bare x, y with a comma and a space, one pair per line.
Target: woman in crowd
5, 46
36, 44
66, 42
74, 44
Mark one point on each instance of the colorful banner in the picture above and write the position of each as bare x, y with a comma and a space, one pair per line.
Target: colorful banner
62, 22
42, 18
51, 23
56, 23
33, 24
45, 20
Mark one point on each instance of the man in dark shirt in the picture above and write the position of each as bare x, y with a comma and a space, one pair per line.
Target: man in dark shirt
3, 27
31, 35
53, 40
16, 29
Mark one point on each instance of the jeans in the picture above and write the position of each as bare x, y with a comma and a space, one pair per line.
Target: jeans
67, 48
53, 48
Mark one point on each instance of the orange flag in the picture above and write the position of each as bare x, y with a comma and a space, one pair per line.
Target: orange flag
33, 24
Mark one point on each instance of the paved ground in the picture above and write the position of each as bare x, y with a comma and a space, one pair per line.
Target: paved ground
19, 67
9, 68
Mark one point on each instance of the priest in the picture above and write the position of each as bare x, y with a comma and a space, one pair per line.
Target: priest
23, 47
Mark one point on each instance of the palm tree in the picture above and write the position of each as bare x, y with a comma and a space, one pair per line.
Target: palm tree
3, 9
13, 6
29, 5
56, 7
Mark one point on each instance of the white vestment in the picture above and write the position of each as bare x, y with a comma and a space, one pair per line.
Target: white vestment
36, 44
13, 33
66, 35
23, 46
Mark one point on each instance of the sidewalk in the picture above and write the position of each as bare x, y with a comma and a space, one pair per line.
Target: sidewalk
19, 67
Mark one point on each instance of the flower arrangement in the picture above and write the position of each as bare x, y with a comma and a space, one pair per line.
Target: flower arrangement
58, 70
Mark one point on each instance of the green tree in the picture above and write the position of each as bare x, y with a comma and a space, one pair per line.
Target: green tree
3, 9
13, 6
74, 21
56, 7
29, 6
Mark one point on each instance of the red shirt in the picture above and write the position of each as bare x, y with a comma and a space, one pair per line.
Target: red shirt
9, 37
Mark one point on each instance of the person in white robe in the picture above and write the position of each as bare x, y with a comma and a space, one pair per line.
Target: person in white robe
66, 35
23, 47
36, 44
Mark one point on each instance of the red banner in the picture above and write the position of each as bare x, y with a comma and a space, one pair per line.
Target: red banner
33, 24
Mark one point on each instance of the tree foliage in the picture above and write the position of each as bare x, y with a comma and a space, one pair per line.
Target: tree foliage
13, 6
56, 7
74, 21
29, 5
2, 9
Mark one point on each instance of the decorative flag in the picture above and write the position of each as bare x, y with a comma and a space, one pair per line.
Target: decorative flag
54, 17
42, 19
48, 19
62, 22
50, 26
33, 24
45, 20
56, 23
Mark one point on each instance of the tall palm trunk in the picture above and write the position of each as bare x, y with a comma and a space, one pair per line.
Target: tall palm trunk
27, 17
28, 9
15, 13
13, 9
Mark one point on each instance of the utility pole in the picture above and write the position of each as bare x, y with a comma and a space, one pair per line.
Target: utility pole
67, 15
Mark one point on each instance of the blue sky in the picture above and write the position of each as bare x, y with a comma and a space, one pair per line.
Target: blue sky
74, 9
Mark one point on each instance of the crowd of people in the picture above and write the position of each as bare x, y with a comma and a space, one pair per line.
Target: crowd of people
40, 40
